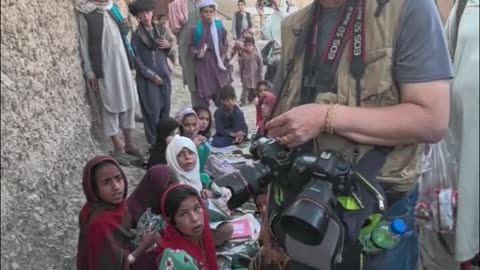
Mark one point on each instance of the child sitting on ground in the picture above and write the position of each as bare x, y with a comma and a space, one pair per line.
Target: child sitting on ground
182, 157
188, 241
204, 121
105, 232
266, 101
250, 70
230, 125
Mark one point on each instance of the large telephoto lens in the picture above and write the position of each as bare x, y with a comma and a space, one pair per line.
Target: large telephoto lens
244, 183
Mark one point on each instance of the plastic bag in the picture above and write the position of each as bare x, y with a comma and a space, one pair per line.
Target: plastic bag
437, 201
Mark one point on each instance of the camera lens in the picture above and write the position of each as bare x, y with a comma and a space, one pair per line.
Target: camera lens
306, 221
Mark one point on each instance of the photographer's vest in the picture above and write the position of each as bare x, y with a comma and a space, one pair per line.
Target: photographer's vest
378, 88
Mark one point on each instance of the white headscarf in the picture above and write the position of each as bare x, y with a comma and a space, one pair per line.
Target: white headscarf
191, 177
87, 6
214, 33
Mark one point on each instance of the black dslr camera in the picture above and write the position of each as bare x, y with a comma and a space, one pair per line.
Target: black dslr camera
309, 217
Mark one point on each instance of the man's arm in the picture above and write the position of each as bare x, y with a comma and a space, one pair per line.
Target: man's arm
422, 69
86, 63
422, 117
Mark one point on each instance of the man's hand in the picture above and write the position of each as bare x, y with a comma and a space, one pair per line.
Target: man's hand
92, 84
298, 125
157, 80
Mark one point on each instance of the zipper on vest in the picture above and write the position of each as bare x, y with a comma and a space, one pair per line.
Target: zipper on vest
377, 194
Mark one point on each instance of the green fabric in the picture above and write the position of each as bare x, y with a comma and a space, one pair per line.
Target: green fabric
348, 202
150, 222
205, 179
203, 153
373, 219
176, 260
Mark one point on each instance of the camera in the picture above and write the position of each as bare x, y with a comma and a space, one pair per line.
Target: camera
306, 224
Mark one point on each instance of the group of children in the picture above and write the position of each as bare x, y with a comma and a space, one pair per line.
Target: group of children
168, 209
164, 223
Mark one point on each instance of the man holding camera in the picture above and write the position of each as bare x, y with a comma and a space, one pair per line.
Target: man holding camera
358, 75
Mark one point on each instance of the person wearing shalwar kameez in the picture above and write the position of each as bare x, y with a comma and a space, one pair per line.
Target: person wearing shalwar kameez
183, 16
209, 47
153, 73
106, 65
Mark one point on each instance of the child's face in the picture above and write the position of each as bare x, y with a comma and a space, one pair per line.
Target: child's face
187, 159
203, 120
228, 103
189, 218
208, 14
190, 126
262, 92
163, 20
145, 18
110, 183
248, 47
241, 7
261, 203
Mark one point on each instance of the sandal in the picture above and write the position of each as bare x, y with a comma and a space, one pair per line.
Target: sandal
120, 158
136, 153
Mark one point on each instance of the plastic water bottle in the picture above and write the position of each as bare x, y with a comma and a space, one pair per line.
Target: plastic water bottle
387, 234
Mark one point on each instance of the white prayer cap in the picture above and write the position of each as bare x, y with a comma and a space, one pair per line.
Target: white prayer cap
207, 3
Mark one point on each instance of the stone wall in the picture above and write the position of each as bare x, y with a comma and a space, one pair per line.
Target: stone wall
45, 134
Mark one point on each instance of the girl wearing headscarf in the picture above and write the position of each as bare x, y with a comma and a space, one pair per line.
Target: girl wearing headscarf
209, 48
144, 206
182, 157
166, 129
187, 243
204, 121
105, 234
190, 128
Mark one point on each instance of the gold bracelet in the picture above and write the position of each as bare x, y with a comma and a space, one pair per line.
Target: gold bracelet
331, 131
328, 118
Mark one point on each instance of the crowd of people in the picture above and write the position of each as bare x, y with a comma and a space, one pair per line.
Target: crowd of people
386, 93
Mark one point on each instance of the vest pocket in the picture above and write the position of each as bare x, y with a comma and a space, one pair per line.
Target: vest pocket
378, 88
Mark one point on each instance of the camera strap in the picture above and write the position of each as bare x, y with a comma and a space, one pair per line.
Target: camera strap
320, 69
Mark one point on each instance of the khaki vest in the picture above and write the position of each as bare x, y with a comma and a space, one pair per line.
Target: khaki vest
378, 87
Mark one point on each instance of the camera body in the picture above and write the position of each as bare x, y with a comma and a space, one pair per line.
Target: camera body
306, 222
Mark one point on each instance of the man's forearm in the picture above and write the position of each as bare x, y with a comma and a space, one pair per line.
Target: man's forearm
388, 126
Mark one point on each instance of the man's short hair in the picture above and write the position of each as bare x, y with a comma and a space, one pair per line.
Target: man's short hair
241, 1
227, 92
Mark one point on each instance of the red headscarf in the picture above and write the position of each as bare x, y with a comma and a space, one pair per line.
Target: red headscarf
173, 239
153, 185
104, 228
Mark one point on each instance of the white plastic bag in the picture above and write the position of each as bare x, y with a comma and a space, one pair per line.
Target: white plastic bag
437, 201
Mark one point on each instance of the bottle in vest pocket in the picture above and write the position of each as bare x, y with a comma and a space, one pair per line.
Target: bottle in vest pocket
387, 234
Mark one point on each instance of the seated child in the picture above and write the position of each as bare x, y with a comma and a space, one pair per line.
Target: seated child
204, 121
271, 256
105, 233
230, 125
182, 157
187, 242
266, 101
189, 127
166, 129
144, 207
